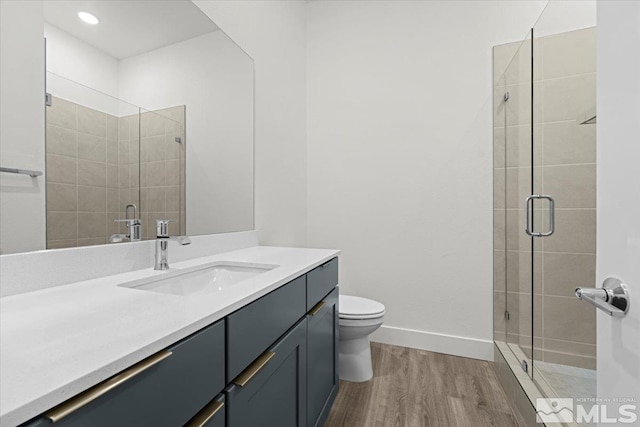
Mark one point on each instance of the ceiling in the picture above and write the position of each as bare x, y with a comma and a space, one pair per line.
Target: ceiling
129, 28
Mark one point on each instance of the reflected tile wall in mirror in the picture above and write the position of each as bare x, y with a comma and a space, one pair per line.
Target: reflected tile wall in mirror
91, 174
162, 169
98, 163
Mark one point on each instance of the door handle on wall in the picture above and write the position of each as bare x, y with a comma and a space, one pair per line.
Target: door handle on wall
528, 205
612, 298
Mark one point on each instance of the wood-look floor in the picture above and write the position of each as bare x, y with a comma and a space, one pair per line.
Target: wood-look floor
420, 388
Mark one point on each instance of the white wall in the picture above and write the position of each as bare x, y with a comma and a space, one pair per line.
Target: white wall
273, 34
560, 16
22, 199
78, 66
214, 79
400, 159
618, 239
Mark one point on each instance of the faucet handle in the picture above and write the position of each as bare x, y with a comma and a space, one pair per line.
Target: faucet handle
162, 227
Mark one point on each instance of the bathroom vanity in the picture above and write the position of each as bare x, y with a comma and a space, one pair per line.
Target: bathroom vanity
260, 352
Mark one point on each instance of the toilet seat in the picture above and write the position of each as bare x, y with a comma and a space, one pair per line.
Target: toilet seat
355, 308
361, 317
375, 321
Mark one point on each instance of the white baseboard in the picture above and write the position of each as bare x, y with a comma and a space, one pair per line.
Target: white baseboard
431, 341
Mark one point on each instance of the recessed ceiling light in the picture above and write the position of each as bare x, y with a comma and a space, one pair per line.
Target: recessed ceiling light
88, 18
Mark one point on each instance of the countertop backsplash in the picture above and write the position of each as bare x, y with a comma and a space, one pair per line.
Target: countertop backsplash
33, 271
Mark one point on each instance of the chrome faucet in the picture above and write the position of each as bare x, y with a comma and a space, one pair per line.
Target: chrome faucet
162, 242
133, 224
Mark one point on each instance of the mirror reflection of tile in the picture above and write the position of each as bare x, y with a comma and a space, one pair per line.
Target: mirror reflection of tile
98, 163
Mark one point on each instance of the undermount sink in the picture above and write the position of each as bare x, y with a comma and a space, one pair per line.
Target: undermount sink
200, 280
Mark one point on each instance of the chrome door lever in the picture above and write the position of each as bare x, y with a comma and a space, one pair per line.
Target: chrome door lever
612, 298
552, 215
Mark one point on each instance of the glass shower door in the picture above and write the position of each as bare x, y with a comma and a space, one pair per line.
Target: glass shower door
564, 112
513, 178
545, 202
162, 169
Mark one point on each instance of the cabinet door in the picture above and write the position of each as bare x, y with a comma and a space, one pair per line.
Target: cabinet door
322, 359
272, 390
167, 393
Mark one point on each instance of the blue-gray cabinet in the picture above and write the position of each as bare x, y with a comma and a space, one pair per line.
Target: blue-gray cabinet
255, 327
273, 362
166, 389
322, 358
320, 281
272, 391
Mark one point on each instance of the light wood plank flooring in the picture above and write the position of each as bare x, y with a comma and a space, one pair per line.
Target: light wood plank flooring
420, 388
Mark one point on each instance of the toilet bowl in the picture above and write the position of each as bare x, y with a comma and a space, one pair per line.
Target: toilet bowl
358, 318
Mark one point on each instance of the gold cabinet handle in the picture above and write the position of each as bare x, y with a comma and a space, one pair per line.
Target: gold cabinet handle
246, 375
202, 417
88, 396
316, 308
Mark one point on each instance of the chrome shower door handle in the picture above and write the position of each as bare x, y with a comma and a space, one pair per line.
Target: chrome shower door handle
527, 218
552, 215
528, 203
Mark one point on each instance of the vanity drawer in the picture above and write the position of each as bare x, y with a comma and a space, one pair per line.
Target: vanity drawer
320, 281
166, 389
254, 328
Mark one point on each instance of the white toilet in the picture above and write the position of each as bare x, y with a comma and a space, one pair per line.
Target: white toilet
359, 317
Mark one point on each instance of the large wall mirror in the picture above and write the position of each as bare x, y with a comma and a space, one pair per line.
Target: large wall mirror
149, 115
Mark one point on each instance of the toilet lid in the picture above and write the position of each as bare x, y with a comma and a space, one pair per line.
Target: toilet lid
359, 308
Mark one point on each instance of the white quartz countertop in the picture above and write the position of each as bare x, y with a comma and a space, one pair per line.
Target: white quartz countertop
59, 341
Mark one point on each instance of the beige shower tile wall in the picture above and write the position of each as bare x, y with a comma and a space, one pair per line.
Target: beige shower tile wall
162, 169
564, 167
78, 143
568, 97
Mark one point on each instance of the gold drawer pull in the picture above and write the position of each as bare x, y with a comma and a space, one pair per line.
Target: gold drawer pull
202, 417
316, 308
88, 396
246, 375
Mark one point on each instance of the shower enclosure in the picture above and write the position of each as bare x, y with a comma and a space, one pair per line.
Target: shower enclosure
545, 204
110, 163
